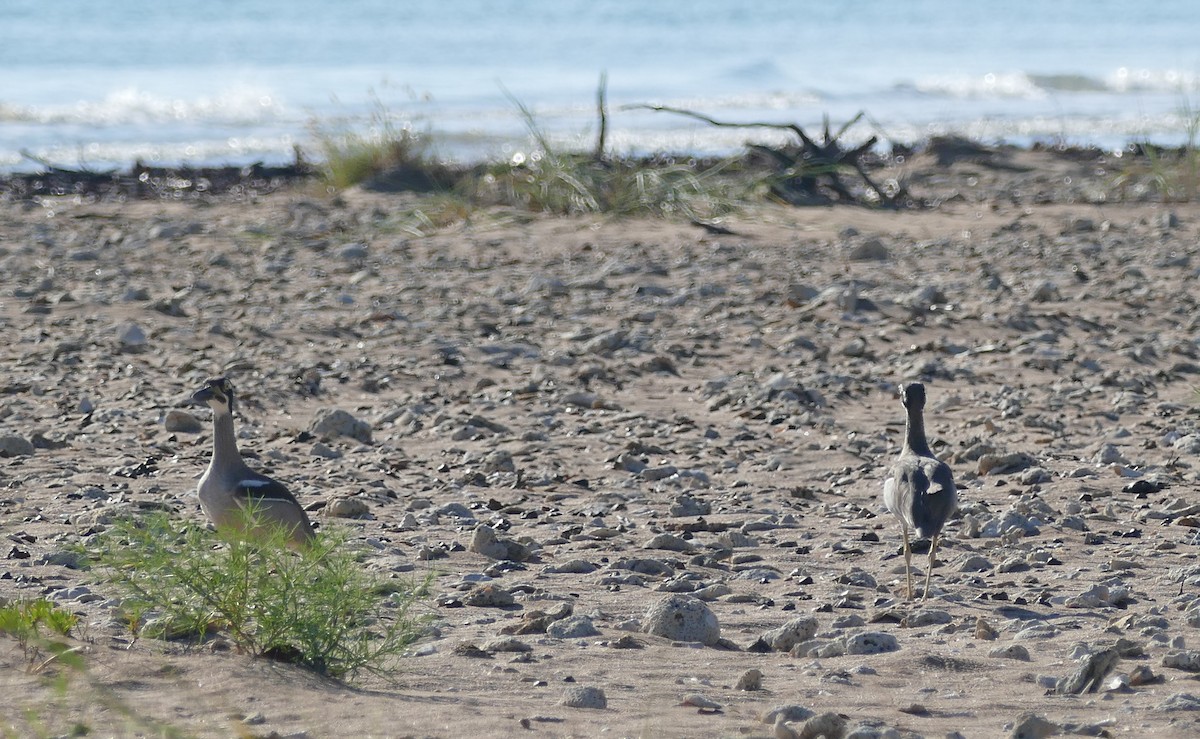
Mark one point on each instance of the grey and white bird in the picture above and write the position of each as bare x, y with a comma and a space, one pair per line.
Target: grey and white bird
920, 489
231, 494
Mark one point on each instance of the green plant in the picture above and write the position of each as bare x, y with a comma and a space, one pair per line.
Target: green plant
1173, 173
553, 181
318, 607
22, 619
397, 152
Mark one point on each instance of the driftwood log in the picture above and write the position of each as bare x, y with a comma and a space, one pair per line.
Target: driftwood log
809, 171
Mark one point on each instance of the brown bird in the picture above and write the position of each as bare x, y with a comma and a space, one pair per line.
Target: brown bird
920, 490
235, 497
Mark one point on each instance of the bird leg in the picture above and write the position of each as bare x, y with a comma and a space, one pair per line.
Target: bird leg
932, 548
907, 563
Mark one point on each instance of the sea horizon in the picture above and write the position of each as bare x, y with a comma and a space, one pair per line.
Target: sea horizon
223, 84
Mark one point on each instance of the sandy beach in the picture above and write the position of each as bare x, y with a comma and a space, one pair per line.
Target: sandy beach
653, 410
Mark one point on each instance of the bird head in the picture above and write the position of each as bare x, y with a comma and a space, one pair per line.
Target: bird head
912, 395
217, 394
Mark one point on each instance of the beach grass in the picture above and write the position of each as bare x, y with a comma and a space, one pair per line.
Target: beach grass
319, 607
1171, 174
350, 157
550, 180
545, 179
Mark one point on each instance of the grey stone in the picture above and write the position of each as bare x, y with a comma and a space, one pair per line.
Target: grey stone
1091, 672
686, 506
131, 337
750, 680
793, 632
786, 713
182, 422
669, 542
12, 445
1187, 660
572, 567
489, 596
579, 696
871, 642
1180, 702
485, 541
828, 725
683, 618
573, 627
347, 508
1012, 651
1031, 726
927, 617
329, 423
506, 644
870, 250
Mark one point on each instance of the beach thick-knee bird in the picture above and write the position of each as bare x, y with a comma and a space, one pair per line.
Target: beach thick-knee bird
234, 496
920, 489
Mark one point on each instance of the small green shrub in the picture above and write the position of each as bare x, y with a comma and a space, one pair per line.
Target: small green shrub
551, 181
317, 607
1174, 174
398, 157
23, 619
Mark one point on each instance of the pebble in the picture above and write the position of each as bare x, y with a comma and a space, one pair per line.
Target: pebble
871, 642
571, 567
330, 423
682, 618
1032, 726
870, 250
507, 644
131, 337
572, 627
1180, 702
701, 701
1187, 660
670, 542
347, 508
790, 713
1012, 651
489, 596
487, 542
750, 680
12, 445
927, 617
181, 422
1092, 670
795, 631
578, 696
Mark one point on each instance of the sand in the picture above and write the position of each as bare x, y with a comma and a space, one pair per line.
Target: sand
587, 385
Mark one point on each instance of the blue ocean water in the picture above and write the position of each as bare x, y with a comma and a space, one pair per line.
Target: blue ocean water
217, 82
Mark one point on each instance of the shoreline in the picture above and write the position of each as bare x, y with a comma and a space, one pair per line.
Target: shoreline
140, 181
653, 408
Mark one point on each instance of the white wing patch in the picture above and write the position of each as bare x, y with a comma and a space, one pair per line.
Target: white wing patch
889, 495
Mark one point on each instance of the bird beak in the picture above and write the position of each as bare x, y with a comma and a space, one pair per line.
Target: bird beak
202, 396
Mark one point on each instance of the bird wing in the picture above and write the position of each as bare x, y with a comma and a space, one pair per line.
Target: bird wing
260, 490
889, 496
941, 480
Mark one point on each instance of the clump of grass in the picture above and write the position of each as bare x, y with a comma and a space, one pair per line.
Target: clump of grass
387, 151
317, 607
1174, 174
553, 181
24, 619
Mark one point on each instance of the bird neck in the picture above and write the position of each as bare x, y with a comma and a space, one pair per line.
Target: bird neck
914, 434
225, 449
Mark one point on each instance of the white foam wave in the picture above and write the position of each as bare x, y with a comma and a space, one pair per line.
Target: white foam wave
989, 85
130, 105
1153, 80
1036, 86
